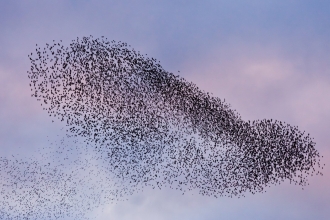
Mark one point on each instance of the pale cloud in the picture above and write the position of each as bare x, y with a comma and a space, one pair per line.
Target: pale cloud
312, 103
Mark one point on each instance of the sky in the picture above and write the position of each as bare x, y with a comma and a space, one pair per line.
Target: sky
268, 59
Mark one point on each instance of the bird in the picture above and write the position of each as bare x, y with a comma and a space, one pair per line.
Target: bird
131, 124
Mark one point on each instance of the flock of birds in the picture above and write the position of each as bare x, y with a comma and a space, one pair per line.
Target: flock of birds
132, 125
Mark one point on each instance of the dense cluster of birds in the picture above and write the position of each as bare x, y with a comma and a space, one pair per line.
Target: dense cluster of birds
145, 127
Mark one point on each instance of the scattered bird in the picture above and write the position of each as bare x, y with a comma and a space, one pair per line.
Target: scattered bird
141, 126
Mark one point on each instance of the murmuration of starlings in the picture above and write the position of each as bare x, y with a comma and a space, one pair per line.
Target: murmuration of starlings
149, 127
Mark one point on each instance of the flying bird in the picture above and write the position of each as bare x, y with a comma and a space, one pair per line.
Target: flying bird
148, 127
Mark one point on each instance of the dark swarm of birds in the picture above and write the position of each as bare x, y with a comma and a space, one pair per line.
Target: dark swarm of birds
138, 125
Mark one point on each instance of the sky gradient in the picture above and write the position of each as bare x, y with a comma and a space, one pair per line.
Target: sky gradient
268, 59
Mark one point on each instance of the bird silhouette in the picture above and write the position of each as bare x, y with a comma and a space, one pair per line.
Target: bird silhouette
136, 125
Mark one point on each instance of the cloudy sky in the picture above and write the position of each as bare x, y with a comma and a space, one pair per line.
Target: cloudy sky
267, 58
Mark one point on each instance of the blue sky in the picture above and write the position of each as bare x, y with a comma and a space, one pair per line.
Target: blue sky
268, 59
